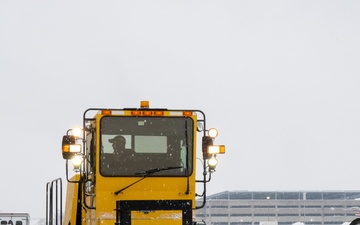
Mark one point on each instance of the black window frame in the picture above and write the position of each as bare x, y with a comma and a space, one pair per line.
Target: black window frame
187, 135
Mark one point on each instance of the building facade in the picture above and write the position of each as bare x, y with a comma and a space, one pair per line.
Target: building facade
280, 207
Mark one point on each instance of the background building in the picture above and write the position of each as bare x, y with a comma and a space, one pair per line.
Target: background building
280, 207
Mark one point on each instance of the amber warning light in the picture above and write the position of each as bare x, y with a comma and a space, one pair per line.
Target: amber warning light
144, 104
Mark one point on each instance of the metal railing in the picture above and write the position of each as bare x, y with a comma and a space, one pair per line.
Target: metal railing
54, 202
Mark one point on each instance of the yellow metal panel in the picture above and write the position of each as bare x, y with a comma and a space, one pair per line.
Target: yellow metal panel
71, 201
150, 188
166, 217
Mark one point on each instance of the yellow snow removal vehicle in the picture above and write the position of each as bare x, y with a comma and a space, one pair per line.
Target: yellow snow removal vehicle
137, 166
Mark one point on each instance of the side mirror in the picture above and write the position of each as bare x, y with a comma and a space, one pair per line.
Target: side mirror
206, 142
69, 147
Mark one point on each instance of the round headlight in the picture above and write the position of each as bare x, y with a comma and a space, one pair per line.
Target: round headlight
77, 160
77, 131
212, 162
213, 133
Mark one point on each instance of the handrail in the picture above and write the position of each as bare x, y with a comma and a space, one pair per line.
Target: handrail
50, 204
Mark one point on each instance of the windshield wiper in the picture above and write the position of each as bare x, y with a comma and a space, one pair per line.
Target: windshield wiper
152, 171
146, 174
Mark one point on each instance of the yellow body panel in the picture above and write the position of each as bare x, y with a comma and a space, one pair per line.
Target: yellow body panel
150, 188
171, 217
71, 201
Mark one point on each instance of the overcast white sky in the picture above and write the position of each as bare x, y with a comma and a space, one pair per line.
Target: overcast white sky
279, 79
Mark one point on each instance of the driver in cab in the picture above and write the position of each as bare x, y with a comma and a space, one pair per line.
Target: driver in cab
118, 144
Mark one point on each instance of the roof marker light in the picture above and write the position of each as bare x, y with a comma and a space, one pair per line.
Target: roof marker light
136, 113
158, 113
147, 113
106, 112
144, 104
187, 113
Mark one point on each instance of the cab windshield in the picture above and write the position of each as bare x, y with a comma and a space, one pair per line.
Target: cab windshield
133, 146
